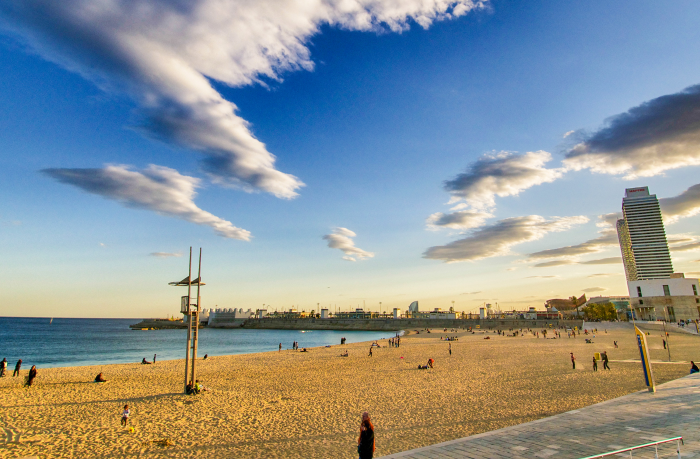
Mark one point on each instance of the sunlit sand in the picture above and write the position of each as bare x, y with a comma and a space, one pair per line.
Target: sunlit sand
308, 405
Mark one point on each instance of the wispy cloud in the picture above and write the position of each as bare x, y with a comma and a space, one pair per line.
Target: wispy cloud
501, 174
658, 135
549, 264
156, 188
164, 53
685, 247
593, 289
601, 275
603, 261
341, 238
540, 277
165, 254
607, 238
462, 220
497, 239
686, 204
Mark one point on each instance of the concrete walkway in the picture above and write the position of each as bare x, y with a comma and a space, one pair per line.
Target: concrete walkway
641, 417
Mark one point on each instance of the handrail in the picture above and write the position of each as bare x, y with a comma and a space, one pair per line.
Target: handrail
646, 445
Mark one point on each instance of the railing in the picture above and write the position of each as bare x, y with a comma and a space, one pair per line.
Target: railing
655, 444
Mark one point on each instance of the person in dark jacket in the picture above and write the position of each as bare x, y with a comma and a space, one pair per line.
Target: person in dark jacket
32, 375
693, 368
365, 444
3, 367
17, 367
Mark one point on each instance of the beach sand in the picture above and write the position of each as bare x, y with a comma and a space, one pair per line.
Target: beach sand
308, 405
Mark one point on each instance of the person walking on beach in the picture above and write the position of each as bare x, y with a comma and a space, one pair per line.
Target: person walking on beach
365, 443
615, 343
280, 348
30, 378
573, 360
664, 341
17, 367
595, 364
125, 415
154, 358
449, 348
370, 352
605, 361
3, 367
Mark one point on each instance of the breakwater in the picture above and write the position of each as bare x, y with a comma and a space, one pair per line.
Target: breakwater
403, 324
363, 324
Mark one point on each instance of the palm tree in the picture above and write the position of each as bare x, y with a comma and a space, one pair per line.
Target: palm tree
574, 300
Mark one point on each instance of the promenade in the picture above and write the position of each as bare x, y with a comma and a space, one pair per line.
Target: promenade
641, 417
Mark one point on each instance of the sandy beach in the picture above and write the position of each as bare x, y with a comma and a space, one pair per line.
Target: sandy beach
307, 405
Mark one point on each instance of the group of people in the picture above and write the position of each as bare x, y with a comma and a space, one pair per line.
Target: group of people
196, 388
395, 341
603, 357
30, 377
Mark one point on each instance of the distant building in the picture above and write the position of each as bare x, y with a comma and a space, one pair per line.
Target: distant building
413, 307
642, 237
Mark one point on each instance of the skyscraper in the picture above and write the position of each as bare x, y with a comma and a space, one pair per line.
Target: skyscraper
642, 237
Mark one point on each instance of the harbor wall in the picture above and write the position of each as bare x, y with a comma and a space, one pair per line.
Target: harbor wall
362, 324
402, 324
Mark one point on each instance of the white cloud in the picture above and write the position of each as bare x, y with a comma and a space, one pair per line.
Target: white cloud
501, 174
165, 254
603, 261
686, 204
461, 220
163, 53
658, 135
497, 239
567, 134
607, 238
549, 264
593, 289
156, 188
341, 238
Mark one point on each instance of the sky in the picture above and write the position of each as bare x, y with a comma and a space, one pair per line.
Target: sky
338, 154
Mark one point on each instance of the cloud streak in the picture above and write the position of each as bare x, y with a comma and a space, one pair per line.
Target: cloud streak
658, 135
341, 238
686, 204
497, 239
156, 188
502, 174
163, 54
165, 254
607, 238
461, 220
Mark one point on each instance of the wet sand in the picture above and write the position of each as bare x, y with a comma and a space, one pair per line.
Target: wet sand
307, 405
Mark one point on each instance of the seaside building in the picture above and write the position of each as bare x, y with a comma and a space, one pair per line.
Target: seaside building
645, 253
656, 292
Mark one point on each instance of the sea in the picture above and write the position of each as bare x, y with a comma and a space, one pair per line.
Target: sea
62, 342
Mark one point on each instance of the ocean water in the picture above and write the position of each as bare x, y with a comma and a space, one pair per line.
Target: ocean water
75, 342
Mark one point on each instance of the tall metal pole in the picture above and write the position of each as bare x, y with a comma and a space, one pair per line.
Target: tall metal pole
189, 322
668, 346
196, 315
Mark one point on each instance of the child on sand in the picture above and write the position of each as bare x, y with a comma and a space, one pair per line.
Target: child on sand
125, 415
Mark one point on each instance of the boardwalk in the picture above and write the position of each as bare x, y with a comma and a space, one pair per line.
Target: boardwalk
634, 419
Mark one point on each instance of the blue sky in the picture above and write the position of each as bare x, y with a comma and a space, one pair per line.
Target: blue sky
372, 121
